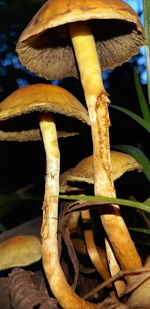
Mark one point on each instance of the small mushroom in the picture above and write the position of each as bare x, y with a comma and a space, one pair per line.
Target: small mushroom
97, 259
45, 48
48, 100
21, 250
83, 171
94, 254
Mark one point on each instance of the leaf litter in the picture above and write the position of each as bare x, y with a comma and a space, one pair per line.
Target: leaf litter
28, 292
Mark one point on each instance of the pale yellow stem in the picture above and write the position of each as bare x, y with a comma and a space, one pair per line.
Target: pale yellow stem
50, 257
95, 95
91, 247
114, 269
96, 99
96, 254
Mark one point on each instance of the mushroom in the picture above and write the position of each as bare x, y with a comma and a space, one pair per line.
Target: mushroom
47, 100
17, 112
94, 254
80, 247
45, 48
98, 254
21, 250
83, 172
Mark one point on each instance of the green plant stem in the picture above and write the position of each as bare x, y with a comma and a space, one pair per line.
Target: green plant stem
140, 230
140, 157
106, 200
144, 123
142, 101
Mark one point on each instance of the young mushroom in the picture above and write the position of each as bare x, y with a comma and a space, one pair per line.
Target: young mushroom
21, 250
45, 47
45, 102
83, 172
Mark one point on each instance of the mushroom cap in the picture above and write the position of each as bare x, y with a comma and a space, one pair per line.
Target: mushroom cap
18, 121
45, 46
83, 171
21, 250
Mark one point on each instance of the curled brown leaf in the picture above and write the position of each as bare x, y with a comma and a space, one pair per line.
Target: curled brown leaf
64, 233
25, 294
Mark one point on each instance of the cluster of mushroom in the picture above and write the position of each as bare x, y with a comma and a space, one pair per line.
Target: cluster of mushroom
74, 38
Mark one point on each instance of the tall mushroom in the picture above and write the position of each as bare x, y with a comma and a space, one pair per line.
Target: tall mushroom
45, 48
44, 102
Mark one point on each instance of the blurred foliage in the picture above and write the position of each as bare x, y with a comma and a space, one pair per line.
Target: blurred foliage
14, 16
146, 6
138, 155
143, 121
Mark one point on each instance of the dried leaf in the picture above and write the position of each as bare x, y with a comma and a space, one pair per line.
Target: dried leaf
136, 281
112, 303
139, 285
25, 294
82, 205
4, 294
63, 229
19, 251
87, 283
117, 276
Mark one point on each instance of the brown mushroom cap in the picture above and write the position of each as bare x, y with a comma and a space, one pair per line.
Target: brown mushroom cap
45, 46
83, 171
18, 121
121, 163
21, 250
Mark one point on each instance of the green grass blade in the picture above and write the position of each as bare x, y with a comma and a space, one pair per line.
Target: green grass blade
144, 123
138, 155
142, 101
107, 200
146, 6
140, 230
147, 202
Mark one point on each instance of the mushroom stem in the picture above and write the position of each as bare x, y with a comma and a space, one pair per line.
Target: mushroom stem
55, 276
114, 269
95, 95
91, 247
95, 256
97, 99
